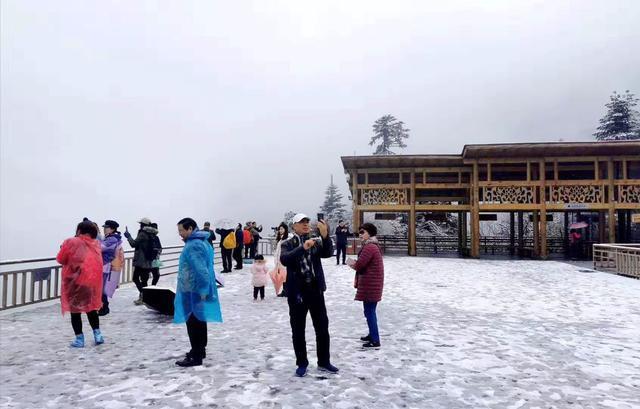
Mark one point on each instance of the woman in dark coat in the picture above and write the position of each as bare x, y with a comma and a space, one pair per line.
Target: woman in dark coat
369, 281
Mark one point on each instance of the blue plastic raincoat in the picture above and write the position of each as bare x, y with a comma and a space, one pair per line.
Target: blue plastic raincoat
196, 279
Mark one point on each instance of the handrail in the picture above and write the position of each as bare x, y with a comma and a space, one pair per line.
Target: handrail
622, 258
35, 282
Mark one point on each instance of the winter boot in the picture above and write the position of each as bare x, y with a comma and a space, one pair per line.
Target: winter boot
139, 300
78, 342
97, 335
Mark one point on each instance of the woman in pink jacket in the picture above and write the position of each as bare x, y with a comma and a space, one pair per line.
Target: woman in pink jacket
369, 281
81, 260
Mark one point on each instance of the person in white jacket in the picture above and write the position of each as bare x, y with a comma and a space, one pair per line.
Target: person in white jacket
279, 272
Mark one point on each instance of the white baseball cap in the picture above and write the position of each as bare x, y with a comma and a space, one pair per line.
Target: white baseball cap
144, 220
300, 217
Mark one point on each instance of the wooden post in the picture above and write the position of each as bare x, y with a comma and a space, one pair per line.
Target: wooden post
601, 233
412, 217
520, 232
612, 209
475, 213
536, 234
543, 211
354, 197
565, 235
512, 233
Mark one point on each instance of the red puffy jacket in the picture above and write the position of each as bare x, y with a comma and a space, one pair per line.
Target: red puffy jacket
369, 273
247, 238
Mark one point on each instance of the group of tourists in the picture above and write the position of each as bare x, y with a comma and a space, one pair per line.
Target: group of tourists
91, 264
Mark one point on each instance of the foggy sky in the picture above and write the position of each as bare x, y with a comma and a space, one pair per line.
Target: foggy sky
241, 110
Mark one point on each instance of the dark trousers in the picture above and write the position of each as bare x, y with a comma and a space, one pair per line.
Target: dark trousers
226, 259
372, 320
312, 302
257, 290
197, 331
254, 247
76, 321
155, 273
247, 250
105, 302
237, 255
141, 277
341, 249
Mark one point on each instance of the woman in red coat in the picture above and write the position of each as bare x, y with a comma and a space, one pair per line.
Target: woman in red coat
369, 281
81, 260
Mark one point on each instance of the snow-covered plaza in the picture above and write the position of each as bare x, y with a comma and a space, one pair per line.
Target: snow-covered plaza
455, 333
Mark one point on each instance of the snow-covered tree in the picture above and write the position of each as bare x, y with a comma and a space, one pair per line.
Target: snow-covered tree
333, 207
288, 218
390, 132
621, 120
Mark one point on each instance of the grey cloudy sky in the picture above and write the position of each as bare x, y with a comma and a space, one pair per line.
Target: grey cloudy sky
241, 110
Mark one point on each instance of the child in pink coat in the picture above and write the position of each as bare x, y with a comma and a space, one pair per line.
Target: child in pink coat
259, 276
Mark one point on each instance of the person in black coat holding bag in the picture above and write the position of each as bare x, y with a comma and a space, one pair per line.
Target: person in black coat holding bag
305, 287
342, 234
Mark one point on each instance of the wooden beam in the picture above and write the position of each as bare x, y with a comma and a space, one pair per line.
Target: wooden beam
555, 170
536, 234
528, 171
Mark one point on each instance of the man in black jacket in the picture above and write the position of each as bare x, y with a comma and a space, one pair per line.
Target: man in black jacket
226, 253
342, 234
305, 287
237, 252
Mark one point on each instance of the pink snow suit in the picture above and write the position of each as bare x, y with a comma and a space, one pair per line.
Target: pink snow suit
81, 260
259, 274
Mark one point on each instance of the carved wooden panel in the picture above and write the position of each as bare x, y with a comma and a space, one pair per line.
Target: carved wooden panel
576, 194
508, 194
384, 197
629, 194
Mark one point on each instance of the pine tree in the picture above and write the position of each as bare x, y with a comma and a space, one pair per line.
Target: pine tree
621, 120
333, 207
391, 132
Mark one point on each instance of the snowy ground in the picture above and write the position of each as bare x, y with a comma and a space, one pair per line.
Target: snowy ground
455, 333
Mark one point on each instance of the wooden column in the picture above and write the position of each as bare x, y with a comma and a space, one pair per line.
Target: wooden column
512, 233
602, 237
475, 213
565, 234
543, 211
520, 232
412, 217
612, 209
356, 206
536, 234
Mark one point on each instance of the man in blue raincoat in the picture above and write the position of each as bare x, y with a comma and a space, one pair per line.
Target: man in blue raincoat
196, 301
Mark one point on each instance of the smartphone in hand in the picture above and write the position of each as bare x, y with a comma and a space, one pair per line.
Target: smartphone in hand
320, 216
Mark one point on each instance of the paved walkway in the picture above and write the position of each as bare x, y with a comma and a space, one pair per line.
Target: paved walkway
456, 333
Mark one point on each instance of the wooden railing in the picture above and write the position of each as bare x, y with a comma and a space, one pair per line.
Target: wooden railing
25, 282
621, 258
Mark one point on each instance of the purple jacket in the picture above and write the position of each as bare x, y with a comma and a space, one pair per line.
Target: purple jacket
109, 246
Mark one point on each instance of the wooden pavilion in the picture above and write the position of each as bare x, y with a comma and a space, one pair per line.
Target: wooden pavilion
600, 178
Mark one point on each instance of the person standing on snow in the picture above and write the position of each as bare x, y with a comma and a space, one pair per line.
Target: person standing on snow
143, 256
369, 281
305, 287
227, 260
155, 253
342, 234
237, 252
212, 235
81, 260
196, 301
255, 236
111, 248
